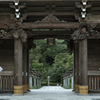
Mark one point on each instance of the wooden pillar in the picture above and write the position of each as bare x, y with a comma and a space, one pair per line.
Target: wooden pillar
28, 69
74, 69
24, 67
83, 88
18, 48
77, 67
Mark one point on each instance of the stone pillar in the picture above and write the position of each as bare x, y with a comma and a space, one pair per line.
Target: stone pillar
40, 82
37, 82
66, 85
68, 82
72, 82
18, 57
63, 82
34, 82
83, 88
30, 82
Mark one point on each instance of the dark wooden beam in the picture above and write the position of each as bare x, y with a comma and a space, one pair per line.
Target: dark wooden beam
41, 13
47, 13
50, 33
43, 37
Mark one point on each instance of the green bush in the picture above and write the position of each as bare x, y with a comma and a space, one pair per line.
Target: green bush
46, 84
52, 84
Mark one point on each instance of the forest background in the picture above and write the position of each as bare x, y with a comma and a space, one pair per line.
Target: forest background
51, 60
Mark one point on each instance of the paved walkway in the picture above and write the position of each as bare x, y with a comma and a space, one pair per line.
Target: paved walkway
51, 93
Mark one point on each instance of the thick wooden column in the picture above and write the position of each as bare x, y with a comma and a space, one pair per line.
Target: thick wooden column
28, 69
83, 88
24, 67
77, 67
18, 48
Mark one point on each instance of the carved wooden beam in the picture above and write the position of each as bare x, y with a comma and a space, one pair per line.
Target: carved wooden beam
49, 22
51, 25
45, 25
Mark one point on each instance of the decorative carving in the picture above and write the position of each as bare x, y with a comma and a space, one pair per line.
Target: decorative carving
4, 34
17, 16
83, 8
84, 31
14, 34
22, 35
50, 18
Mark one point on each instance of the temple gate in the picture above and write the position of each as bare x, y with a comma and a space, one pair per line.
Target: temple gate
22, 21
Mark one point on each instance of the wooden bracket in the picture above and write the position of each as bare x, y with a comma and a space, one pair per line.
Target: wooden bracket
85, 31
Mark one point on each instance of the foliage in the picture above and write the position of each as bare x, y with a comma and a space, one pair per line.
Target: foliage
53, 60
46, 83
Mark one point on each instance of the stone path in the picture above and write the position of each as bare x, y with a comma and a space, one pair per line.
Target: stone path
51, 93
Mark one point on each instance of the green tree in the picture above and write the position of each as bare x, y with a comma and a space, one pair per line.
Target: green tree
51, 60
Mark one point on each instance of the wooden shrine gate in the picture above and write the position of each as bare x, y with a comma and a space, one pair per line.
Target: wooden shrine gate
22, 21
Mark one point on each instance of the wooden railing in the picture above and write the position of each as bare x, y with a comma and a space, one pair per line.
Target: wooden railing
94, 80
6, 81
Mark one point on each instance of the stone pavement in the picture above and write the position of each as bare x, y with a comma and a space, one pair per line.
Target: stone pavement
51, 93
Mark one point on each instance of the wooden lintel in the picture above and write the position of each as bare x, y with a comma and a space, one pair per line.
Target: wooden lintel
43, 37
40, 13
66, 32
47, 13
6, 21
